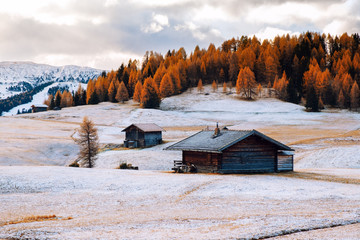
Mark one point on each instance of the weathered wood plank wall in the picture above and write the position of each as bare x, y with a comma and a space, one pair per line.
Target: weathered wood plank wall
250, 155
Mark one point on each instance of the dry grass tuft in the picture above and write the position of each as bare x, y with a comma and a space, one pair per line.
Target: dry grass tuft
36, 219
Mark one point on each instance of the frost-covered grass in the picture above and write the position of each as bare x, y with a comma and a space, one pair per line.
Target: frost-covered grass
152, 203
128, 204
326, 139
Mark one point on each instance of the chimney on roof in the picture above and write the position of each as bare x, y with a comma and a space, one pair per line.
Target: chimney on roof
217, 131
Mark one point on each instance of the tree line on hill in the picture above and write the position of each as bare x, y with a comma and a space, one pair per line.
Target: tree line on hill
22, 98
312, 68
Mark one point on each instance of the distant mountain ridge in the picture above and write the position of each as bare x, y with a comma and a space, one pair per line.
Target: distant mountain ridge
18, 77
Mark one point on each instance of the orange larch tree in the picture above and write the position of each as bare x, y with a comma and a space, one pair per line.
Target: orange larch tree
122, 94
270, 69
137, 92
247, 58
280, 86
200, 87
173, 72
341, 100
89, 90
259, 90
224, 88
214, 86
66, 99
246, 82
112, 92
166, 86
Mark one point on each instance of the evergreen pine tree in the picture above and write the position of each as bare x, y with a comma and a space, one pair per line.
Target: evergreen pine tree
330, 98
58, 98
94, 99
76, 99
291, 92
83, 98
149, 95
321, 104
52, 103
312, 100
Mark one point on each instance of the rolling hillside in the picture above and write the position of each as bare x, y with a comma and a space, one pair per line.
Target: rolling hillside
152, 203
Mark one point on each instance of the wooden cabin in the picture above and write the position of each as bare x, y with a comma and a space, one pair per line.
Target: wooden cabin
142, 135
39, 108
229, 151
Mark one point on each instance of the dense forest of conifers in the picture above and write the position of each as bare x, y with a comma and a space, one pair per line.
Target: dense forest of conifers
318, 70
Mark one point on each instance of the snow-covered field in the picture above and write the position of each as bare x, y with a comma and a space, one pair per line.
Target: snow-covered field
152, 203
126, 204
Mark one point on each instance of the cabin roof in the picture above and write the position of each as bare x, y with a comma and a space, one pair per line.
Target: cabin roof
204, 141
145, 127
40, 105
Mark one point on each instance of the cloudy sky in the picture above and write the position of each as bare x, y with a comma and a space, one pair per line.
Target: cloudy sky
105, 33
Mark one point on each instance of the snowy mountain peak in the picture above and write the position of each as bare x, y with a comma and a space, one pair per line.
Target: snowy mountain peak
17, 77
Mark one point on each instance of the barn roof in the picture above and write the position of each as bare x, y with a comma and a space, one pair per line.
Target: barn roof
205, 141
145, 127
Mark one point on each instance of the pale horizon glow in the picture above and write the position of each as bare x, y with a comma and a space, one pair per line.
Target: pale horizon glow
104, 34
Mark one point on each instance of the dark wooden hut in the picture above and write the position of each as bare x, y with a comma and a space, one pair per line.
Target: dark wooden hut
39, 108
142, 135
231, 151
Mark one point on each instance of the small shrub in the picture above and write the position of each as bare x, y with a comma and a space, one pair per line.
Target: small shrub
123, 166
74, 164
127, 166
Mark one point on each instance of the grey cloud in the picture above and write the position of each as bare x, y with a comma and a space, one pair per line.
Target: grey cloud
121, 30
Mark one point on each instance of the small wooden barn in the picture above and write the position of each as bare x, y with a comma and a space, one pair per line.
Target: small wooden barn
142, 135
39, 108
229, 151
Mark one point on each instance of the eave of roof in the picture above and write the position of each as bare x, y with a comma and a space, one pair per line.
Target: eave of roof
40, 105
232, 138
146, 127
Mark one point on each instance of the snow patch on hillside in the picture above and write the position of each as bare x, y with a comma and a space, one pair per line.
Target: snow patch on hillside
40, 97
230, 110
